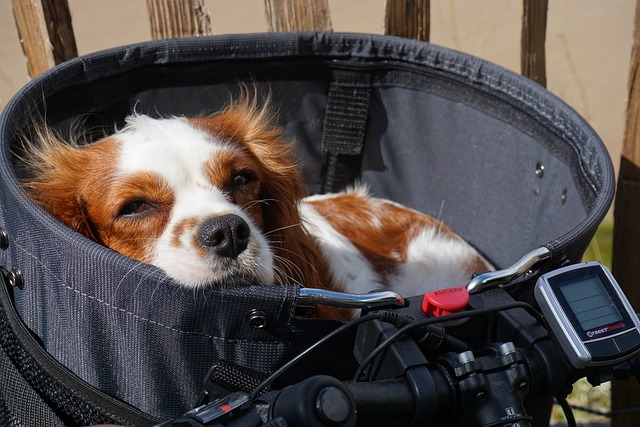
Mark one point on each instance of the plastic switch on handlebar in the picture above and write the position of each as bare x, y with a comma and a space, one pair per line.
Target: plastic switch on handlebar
445, 301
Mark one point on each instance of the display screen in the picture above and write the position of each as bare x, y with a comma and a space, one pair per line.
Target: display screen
589, 301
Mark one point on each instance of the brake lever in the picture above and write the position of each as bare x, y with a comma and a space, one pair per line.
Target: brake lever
521, 268
373, 300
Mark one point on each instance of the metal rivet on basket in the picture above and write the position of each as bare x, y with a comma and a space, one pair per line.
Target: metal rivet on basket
257, 318
4, 239
15, 278
539, 170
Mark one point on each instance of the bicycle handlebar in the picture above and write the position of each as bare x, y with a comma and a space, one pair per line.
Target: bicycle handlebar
483, 390
491, 365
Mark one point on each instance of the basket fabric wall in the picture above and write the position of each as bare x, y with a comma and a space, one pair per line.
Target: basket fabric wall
443, 132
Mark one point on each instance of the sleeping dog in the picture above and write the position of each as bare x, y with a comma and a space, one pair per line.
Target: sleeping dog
217, 200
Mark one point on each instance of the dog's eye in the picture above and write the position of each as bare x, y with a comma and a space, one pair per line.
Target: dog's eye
135, 208
241, 179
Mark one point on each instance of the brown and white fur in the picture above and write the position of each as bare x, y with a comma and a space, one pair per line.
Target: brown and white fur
217, 200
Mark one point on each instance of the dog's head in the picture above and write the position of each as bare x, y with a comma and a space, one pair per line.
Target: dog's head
209, 200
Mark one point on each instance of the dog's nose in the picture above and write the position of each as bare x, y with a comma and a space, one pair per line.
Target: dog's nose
226, 235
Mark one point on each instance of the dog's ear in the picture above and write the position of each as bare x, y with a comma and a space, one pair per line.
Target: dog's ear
281, 187
282, 190
253, 126
57, 173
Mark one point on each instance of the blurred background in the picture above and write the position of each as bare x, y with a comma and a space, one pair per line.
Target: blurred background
588, 42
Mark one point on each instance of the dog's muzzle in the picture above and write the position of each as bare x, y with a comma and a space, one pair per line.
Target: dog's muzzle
226, 235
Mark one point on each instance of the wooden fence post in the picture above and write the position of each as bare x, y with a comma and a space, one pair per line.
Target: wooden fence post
532, 50
626, 234
178, 18
46, 33
408, 18
297, 15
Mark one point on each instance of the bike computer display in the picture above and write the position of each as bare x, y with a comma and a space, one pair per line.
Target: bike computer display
589, 314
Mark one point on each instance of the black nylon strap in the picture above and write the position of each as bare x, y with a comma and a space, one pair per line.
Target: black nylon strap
345, 128
226, 377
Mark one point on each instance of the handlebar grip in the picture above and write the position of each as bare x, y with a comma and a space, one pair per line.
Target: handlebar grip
423, 396
376, 400
316, 402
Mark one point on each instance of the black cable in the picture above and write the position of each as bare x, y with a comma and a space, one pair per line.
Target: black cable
590, 411
568, 413
420, 323
275, 374
629, 410
609, 414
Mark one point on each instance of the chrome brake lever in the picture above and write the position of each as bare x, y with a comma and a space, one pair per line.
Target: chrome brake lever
504, 276
356, 301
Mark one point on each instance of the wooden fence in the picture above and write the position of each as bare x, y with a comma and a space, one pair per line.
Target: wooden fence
47, 37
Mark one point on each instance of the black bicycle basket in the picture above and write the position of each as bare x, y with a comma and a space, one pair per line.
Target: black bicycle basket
91, 336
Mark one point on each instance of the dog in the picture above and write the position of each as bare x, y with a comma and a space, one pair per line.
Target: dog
218, 200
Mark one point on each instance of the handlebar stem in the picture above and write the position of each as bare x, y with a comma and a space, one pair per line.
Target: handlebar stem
491, 388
